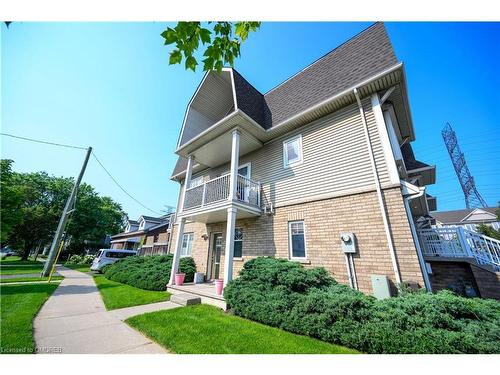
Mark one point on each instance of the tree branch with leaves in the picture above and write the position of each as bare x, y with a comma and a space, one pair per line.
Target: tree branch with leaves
222, 40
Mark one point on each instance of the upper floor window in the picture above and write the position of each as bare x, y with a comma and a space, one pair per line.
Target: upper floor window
196, 182
292, 151
238, 243
187, 244
297, 239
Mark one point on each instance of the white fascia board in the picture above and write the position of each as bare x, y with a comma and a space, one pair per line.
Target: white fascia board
404, 92
410, 189
233, 86
384, 139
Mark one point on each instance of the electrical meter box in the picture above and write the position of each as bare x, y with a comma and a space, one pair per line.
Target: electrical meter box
348, 243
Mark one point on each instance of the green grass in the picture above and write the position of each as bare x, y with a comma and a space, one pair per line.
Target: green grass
78, 267
28, 279
19, 305
117, 295
15, 260
19, 269
203, 329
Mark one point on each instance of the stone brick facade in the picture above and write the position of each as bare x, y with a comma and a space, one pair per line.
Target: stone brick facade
324, 220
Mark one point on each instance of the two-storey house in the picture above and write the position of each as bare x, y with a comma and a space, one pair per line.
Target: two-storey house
288, 172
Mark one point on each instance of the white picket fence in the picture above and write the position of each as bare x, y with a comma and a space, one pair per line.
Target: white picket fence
457, 242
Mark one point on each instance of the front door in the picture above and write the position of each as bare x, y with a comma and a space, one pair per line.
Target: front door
216, 255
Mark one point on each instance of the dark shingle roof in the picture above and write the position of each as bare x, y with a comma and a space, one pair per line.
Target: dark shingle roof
249, 99
456, 216
361, 57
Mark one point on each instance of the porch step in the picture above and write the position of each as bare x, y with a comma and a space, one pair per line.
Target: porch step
185, 299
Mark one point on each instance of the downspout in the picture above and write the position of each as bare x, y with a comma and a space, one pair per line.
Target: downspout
416, 240
379, 191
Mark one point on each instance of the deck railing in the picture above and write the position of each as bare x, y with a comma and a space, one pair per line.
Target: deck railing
457, 242
217, 190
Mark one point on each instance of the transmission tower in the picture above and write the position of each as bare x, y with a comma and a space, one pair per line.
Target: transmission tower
472, 197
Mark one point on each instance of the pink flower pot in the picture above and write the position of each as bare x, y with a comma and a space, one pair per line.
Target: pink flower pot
179, 278
219, 285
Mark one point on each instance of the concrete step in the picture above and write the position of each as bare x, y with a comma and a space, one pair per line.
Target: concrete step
185, 299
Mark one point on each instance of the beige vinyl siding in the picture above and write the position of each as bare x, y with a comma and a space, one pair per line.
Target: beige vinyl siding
335, 159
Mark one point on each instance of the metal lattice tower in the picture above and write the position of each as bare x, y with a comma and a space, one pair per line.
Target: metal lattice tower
472, 197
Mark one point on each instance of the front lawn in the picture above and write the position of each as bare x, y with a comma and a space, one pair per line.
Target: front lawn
78, 267
19, 305
15, 260
117, 295
203, 329
28, 279
20, 269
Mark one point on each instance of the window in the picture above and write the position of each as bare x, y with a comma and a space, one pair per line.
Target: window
187, 244
297, 240
196, 182
292, 151
238, 243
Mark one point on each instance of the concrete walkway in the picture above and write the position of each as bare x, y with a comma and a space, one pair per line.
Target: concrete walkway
74, 320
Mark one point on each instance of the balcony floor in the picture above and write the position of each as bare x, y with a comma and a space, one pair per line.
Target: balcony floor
217, 212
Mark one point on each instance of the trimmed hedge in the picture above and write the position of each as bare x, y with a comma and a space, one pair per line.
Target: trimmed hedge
310, 302
148, 272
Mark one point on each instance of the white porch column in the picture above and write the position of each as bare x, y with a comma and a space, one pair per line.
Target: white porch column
235, 154
187, 182
228, 258
177, 254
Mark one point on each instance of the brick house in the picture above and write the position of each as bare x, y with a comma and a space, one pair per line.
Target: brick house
286, 173
148, 235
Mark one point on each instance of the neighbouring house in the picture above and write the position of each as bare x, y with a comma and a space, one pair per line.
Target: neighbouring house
148, 235
467, 219
318, 170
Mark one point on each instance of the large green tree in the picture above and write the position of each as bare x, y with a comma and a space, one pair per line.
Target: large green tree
10, 198
42, 199
221, 41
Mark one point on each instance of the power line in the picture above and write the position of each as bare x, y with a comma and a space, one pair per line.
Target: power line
44, 142
121, 187
93, 154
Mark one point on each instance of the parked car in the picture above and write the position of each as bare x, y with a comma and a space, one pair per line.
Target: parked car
109, 256
7, 252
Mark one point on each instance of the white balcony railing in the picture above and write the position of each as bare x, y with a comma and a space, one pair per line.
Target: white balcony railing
217, 190
457, 242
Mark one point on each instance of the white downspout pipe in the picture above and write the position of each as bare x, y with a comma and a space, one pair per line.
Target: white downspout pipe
379, 191
420, 255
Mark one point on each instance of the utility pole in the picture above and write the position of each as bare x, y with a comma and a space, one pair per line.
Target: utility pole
68, 209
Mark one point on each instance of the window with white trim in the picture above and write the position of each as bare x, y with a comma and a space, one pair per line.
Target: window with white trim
238, 243
292, 151
196, 182
297, 239
187, 244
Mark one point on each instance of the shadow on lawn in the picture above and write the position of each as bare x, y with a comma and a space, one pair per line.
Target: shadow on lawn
7, 289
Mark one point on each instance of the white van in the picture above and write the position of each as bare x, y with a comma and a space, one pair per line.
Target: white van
109, 256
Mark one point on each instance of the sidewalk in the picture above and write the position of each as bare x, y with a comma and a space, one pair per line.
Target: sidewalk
74, 320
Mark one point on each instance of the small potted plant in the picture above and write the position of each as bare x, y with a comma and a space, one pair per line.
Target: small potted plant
219, 285
179, 278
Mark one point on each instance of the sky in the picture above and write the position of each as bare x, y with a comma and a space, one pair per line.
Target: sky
109, 86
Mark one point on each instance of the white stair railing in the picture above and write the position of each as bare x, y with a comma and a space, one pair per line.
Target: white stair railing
457, 242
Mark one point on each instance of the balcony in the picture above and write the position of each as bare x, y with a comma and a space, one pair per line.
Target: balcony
216, 191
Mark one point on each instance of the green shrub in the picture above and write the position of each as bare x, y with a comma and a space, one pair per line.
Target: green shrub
148, 272
80, 260
284, 294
